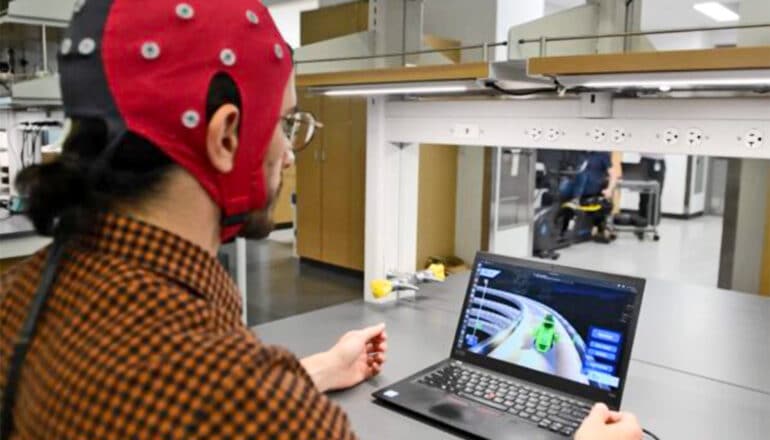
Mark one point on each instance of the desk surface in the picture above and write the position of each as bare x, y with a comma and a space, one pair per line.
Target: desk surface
15, 226
695, 329
693, 386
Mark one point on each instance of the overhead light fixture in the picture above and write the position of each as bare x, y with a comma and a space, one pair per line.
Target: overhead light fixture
716, 11
397, 90
509, 76
667, 81
667, 85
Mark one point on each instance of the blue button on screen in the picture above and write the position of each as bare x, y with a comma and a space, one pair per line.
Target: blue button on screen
606, 335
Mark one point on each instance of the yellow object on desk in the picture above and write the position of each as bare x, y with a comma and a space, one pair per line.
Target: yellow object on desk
439, 271
381, 288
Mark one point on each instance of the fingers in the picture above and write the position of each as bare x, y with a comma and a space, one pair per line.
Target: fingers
376, 347
600, 410
615, 417
373, 370
376, 358
599, 414
374, 364
373, 331
629, 427
378, 344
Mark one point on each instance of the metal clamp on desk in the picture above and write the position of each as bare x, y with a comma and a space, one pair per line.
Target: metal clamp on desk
407, 282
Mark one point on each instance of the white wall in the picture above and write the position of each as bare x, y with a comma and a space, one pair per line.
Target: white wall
286, 15
677, 14
554, 6
576, 21
512, 13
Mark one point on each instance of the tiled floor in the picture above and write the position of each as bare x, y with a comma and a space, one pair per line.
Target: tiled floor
280, 286
688, 251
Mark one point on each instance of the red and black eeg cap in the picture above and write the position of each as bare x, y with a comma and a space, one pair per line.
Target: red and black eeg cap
146, 67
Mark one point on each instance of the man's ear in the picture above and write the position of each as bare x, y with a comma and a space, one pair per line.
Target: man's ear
222, 138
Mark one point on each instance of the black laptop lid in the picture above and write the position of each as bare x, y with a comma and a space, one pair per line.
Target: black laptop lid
568, 329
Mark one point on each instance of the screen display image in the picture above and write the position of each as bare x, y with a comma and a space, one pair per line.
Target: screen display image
562, 325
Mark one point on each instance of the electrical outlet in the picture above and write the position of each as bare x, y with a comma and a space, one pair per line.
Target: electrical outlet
619, 135
753, 139
670, 136
598, 134
466, 131
553, 134
534, 133
695, 137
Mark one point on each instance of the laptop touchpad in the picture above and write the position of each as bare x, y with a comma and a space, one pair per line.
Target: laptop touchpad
458, 410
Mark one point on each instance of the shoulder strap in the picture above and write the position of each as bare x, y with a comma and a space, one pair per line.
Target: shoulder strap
21, 346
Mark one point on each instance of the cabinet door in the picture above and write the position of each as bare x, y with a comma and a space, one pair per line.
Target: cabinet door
283, 214
308, 181
336, 178
437, 202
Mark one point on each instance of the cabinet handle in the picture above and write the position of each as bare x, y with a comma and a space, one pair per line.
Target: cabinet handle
315, 155
323, 155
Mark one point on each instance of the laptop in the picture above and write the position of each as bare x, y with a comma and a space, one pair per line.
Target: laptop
536, 346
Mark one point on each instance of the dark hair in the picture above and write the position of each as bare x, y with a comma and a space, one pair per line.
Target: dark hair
66, 194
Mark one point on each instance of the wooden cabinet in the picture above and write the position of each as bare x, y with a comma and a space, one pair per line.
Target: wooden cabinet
331, 184
436, 209
283, 214
334, 21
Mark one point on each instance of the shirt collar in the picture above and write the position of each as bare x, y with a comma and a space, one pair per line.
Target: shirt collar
167, 255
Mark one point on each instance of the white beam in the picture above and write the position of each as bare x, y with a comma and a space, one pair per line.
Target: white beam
635, 125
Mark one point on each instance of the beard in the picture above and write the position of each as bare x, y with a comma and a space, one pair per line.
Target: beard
260, 224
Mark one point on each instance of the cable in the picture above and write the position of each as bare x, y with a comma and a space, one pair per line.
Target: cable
650, 434
525, 92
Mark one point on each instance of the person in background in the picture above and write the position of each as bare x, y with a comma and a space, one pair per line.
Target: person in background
597, 175
184, 116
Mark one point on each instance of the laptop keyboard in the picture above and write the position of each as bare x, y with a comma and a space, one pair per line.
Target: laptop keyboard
549, 411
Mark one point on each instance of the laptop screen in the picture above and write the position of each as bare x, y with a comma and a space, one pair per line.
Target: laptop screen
567, 324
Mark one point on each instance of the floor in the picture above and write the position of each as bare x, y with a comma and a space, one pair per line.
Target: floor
688, 251
280, 286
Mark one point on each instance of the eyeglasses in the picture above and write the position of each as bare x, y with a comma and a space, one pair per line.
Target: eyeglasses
299, 128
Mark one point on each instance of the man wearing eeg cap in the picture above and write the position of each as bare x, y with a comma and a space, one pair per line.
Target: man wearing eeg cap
183, 119
127, 326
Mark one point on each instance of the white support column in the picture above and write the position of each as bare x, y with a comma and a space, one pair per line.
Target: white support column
612, 15
391, 201
408, 200
398, 27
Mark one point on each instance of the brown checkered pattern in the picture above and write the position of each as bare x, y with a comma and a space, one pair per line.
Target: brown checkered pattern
142, 339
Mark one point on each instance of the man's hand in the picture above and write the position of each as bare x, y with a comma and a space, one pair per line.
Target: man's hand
603, 424
608, 193
356, 357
